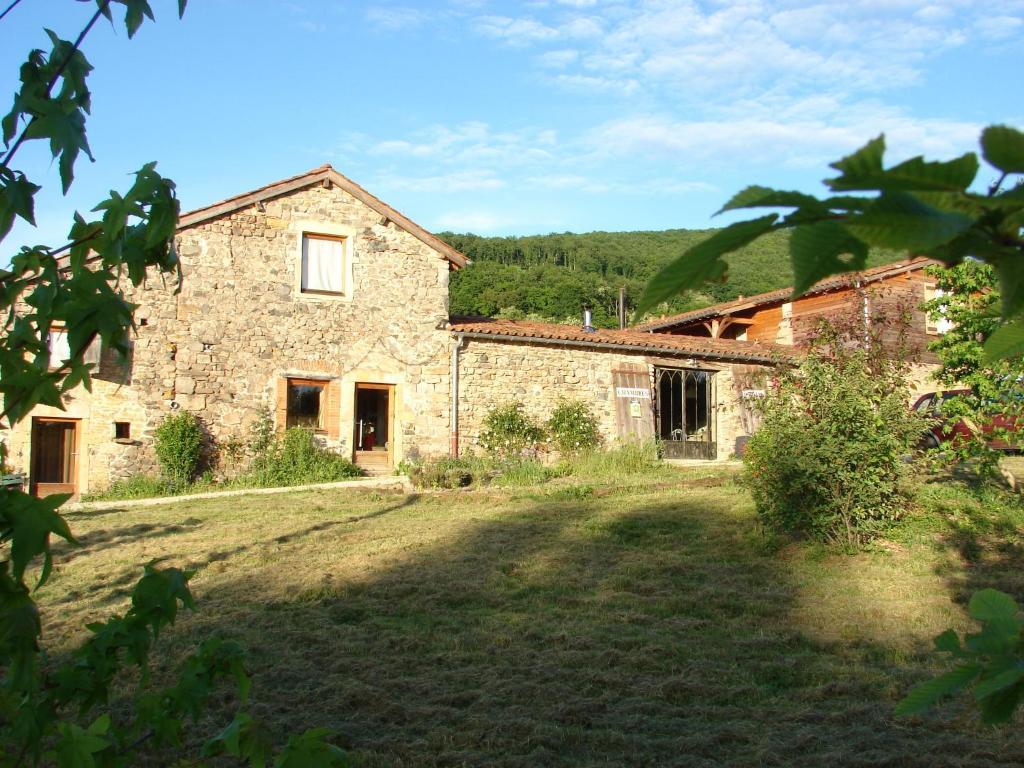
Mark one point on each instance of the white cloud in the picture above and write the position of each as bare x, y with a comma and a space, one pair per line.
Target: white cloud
515, 31
763, 140
396, 18
558, 59
471, 143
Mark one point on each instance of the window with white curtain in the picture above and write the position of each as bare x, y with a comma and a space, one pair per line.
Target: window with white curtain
323, 259
60, 349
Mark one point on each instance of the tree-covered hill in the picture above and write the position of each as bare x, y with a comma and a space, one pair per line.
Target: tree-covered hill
552, 277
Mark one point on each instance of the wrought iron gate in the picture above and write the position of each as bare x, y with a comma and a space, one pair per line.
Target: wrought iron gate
683, 417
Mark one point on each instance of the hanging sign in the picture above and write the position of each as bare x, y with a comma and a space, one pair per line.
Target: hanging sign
634, 409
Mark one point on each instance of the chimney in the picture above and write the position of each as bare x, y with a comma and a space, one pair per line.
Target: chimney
588, 325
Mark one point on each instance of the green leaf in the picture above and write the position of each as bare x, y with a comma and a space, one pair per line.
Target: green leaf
31, 521
992, 605
815, 250
76, 746
865, 162
135, 12
703, 261
999, 707
311, 750
181, 7
1003, 147
998, 682
764, 197
924, 696
948, 642
1006, 342
17, 198
899, 220
1011, 283
64, 126
863, 170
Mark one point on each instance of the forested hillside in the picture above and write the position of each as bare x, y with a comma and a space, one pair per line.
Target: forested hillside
551, 277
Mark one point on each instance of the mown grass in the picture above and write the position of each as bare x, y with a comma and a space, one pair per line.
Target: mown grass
574, 624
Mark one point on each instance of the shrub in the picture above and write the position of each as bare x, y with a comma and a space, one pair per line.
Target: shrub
295, 458
444, 472
179, 443
829, 460
573, 428
509, 433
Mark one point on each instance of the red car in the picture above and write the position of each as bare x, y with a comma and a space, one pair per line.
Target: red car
948, 429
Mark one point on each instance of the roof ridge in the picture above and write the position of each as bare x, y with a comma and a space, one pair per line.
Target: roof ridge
320, 173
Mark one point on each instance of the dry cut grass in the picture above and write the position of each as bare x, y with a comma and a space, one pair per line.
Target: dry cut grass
572, 626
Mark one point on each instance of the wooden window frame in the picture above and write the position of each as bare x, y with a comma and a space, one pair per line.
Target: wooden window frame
323, 385
345, 272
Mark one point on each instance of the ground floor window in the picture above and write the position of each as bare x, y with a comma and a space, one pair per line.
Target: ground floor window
306, 404
683, 414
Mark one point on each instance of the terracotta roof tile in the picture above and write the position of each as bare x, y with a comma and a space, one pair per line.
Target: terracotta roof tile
631, 340
832, 283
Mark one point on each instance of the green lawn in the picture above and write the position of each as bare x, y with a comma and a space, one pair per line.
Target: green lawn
649, 625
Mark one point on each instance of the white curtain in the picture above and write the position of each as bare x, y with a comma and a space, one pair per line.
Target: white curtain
60, 350
321, 264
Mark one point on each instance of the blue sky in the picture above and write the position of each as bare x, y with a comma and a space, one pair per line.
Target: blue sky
521, 118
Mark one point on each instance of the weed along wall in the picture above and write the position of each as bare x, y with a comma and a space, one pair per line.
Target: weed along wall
620, 388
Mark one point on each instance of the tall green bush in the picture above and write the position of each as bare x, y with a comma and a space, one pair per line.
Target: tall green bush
829, 459
573, 428
179, 444
509, 433
295, 457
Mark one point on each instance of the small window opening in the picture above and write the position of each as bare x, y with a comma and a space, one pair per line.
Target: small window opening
122, 430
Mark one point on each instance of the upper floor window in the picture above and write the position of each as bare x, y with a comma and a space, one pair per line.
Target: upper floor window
60, 348
323, 264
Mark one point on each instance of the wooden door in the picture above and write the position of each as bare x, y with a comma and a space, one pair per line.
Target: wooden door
374, 428
54, 459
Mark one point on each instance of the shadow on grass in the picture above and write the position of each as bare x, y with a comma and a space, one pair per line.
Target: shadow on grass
576, 634
981, 527
112, 537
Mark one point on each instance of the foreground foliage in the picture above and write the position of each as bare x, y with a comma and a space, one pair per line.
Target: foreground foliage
987, 662
96, 706
924, 208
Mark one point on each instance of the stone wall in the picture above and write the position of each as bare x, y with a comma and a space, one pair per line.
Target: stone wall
493, 373
239, 324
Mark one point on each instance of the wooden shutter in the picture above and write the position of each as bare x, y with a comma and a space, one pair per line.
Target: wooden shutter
634, 406
282, 403
332, 413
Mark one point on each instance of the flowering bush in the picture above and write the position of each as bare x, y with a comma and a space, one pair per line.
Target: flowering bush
509, 433
573, 428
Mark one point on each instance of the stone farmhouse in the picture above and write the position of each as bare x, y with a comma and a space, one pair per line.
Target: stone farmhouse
315, 301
